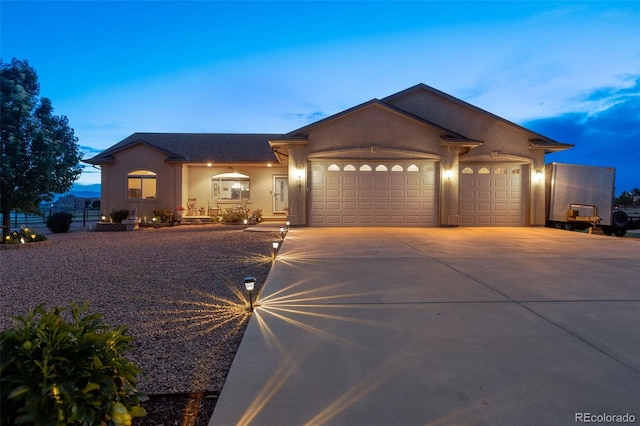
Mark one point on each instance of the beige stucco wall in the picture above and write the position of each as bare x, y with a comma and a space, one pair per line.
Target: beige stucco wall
139, 157
374, 125
198, 186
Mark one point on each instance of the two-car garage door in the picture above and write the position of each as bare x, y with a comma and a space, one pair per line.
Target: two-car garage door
360, 193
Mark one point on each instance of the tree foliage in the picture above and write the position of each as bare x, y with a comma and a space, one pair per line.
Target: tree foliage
39, 151
627, 198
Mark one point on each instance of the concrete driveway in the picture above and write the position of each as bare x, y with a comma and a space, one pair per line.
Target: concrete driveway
472, 326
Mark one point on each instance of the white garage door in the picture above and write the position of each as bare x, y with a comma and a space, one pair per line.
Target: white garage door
492, 195
345, 193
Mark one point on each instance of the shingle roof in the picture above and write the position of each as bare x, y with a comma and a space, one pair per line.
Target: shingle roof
200, 147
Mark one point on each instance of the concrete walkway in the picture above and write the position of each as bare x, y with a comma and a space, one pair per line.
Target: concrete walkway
471, 326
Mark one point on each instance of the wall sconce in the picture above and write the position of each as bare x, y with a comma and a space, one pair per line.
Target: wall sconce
299, 174
539, 176
249, 285
448, 174
275, 246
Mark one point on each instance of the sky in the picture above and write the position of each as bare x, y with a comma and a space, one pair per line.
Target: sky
569, 70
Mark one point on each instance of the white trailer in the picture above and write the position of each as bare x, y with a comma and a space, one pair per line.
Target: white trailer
581, 197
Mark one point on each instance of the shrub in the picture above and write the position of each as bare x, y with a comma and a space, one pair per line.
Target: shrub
163, 215
118, 216
24, 235
234, 216
58, 372
59, 222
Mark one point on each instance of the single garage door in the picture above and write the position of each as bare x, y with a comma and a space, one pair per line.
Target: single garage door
349, 193
492, 194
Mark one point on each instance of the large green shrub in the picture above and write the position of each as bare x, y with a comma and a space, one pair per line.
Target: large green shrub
118, 216
59, 222
59, 372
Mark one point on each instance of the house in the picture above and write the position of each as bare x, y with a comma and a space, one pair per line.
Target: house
418, 158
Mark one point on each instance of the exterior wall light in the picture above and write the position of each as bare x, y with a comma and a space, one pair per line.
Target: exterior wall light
299, 174
448, 174
275, 246
539, 176
249, 285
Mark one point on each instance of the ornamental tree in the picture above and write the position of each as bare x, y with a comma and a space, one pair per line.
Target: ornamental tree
39, 151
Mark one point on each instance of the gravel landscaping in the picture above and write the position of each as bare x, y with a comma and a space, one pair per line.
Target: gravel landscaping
177, 289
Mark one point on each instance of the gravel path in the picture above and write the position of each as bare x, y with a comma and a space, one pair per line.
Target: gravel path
178, 290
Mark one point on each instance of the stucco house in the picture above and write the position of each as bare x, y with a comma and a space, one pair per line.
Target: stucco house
418, 158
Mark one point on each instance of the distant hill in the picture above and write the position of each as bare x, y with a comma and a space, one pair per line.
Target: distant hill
84, 191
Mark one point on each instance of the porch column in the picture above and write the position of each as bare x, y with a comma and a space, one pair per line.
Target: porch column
298, 174
450, 187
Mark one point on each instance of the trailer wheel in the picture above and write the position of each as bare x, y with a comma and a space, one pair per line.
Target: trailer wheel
619, 219
607, 230
621, 232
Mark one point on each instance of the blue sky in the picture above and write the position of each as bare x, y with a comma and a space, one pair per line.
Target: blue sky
567, 69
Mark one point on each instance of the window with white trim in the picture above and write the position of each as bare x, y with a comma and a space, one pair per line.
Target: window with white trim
230, 186
141, 184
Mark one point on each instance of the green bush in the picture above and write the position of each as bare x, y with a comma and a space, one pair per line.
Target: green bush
234, 216
59, 372
163, 215
118, 216
24, 235
59, 222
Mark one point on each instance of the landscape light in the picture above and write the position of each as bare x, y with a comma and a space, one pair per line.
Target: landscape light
249, 285
282, 232
288, 225
275, 246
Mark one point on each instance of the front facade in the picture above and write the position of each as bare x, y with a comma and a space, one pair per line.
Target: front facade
417, 158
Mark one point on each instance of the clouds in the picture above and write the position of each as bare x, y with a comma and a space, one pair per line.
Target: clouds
568, 68
606, 134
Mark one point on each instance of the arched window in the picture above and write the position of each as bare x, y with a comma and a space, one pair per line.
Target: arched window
381, 168
484, 171
467, 171
230, 186
349, 168
413, 168
141, 184
397, 168
365, 168
333, 168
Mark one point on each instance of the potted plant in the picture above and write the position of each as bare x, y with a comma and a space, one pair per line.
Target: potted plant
179, 213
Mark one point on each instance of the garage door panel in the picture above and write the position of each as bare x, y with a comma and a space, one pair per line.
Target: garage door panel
333, 205
349, 205
373, 195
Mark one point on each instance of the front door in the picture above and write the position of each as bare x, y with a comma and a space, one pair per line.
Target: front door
280, 194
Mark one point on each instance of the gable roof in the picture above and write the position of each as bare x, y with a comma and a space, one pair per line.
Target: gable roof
444, 133
199, 147
536, 139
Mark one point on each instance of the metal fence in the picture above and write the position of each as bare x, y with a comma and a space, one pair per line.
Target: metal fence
79, 216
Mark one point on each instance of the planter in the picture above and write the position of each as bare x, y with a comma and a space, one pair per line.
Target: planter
131, 224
